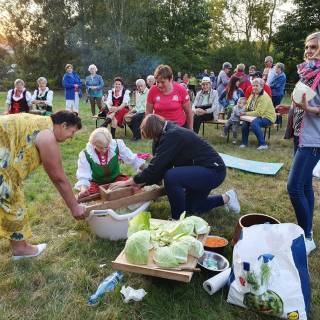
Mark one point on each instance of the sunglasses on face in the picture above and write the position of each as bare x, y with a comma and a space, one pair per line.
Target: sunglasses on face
313, 47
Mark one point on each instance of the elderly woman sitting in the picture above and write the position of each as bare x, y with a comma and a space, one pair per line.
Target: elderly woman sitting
18, 99
259, 105
206, 104
117, 103
135, 116
99, 163
42, 98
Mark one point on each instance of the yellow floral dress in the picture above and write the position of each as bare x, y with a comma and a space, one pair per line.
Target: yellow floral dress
18, 158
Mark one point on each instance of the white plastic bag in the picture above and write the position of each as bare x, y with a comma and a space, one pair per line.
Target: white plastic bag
270, 271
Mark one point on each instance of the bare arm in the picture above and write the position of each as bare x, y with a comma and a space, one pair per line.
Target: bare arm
149, 108
187, 109
51, 159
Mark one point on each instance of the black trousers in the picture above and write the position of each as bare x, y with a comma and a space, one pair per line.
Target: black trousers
135, 123
197, 120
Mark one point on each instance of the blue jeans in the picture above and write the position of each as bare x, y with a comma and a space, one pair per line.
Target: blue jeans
256, 125
300, 186
188, 189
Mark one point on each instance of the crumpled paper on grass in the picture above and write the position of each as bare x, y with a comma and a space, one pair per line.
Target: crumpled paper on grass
132, 294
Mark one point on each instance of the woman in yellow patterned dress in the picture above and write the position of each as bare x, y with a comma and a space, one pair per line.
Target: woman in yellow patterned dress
26, 142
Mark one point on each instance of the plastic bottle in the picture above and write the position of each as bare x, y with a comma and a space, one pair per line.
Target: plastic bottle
107, 285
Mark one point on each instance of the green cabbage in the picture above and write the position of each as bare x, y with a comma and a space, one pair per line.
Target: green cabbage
200, 226
182, 228
195, 246
139, 222
137, 247
165, 258
180, 251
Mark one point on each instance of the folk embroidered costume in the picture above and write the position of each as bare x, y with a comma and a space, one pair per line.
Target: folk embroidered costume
18, 101
96, 168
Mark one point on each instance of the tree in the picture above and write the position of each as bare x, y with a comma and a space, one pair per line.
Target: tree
289, 40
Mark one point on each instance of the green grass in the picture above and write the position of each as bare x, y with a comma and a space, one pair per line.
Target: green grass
57, 285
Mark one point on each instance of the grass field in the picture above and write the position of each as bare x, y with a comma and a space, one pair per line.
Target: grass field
57, 285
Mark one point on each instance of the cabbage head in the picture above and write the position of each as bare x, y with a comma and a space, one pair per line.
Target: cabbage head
137, 247
139, 222
195, 246
180, 251
165, 258
200, 226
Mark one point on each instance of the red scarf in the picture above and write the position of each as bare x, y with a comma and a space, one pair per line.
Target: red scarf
309, 72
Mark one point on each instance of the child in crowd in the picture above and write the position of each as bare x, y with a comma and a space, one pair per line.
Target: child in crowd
234, 120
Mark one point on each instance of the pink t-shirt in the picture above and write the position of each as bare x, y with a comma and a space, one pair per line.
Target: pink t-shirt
169, 106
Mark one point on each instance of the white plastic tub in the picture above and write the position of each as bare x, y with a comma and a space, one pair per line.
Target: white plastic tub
108, 224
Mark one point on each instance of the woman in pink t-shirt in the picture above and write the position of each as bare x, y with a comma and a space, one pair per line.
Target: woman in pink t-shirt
169, 99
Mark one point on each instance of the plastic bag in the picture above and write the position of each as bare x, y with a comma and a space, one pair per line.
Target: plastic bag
270, 271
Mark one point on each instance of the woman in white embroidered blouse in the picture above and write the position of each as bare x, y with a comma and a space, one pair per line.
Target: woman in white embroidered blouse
18, 99
117, 104
99, 162
42, 98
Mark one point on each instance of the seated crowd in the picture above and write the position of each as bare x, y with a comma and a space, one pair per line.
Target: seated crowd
177, 101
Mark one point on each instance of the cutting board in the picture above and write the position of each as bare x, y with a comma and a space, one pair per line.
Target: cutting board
151, 269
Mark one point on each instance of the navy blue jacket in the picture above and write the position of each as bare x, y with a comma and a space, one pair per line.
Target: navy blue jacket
68, 82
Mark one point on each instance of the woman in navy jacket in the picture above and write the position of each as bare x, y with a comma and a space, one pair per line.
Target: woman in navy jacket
278, 84
190, 167
72, 84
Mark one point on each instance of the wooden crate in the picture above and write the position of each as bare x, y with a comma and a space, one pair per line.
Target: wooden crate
107, 195
151, 269
121, 199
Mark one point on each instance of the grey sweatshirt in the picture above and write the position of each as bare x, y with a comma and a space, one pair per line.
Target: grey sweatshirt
310, 126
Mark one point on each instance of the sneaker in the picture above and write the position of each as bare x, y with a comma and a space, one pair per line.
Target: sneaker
233, 204
234, 141
310, 245
242, 146
263, 147
222, 135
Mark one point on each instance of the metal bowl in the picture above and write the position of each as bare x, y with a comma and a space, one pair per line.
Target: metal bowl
220, 263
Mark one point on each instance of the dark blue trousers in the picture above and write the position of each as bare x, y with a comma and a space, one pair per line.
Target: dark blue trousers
188, 189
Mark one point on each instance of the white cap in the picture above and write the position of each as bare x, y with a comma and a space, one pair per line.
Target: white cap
205, 79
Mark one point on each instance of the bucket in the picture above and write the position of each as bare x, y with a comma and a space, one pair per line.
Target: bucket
107, 224
250, 220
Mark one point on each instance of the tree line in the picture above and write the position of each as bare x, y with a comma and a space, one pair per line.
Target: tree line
130, 38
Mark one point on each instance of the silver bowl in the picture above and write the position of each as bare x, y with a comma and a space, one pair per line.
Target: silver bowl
220, 263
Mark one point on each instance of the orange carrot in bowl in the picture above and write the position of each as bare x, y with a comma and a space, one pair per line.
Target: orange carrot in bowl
215, 242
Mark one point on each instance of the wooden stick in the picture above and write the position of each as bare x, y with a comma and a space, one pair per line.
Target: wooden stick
181, 269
